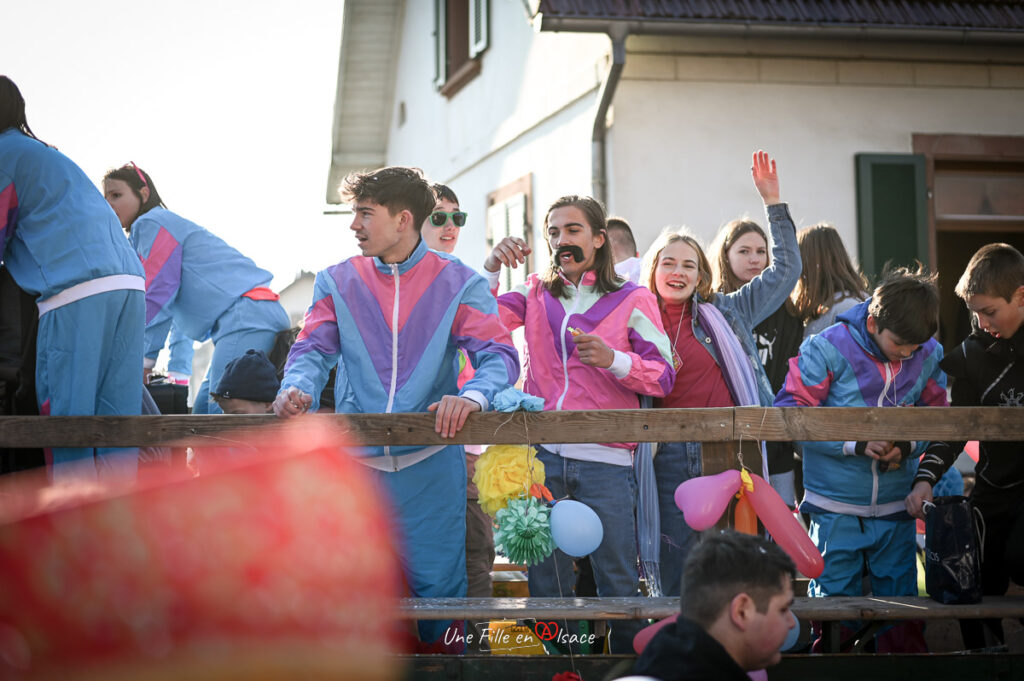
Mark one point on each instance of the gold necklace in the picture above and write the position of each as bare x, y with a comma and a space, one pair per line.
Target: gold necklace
677, 361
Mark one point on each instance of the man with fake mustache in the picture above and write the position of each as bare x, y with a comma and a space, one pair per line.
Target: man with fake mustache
593, 341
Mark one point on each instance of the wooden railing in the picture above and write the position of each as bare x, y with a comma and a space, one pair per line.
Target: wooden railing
721, 430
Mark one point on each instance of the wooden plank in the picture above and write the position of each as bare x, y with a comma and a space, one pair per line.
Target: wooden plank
826, 609
879, 423
625, 425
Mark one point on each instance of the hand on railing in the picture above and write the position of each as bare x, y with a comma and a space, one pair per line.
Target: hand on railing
292, 402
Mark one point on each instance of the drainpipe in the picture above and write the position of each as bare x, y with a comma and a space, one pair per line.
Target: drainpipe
599, 169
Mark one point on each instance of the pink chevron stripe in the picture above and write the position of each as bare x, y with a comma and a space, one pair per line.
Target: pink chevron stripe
470, 321
805, 395
933, 395
162, 248
382, 286
321, 311
8, 207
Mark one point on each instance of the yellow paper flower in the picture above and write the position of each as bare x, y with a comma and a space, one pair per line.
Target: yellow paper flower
505, 472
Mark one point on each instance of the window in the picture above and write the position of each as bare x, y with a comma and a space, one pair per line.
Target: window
460, 35
508, 214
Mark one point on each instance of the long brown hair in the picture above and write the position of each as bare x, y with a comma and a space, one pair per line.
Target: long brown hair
671, 235
724, 279
604, 263
827, 272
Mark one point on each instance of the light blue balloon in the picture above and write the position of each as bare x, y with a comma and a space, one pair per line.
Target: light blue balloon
793, 636
575, 528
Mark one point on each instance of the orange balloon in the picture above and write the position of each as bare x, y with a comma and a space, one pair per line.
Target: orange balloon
744, 518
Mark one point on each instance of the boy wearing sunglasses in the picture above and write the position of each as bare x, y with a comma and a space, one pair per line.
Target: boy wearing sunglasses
441, 232
441, 228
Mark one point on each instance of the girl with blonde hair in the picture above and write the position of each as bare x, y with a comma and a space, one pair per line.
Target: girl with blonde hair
713, 350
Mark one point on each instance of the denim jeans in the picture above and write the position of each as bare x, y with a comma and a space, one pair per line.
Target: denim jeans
610, 491
675, 463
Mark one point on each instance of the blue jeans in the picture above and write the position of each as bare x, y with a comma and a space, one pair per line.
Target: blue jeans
611, 492
674, 463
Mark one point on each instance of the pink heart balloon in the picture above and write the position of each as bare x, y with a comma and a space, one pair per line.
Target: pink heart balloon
703, 500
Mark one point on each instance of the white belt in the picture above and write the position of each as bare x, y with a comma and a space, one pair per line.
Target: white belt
115, 282
393, 464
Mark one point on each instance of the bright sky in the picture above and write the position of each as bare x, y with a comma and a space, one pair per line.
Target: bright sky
227, 104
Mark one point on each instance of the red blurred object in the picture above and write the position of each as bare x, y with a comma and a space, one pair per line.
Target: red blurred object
566, 676
275, 563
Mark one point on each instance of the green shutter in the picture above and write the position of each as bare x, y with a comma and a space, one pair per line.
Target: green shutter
892, 211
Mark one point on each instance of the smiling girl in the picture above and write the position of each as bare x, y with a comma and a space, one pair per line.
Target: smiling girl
714, 356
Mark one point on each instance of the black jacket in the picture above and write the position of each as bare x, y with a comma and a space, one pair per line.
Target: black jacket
986, 372
683, 651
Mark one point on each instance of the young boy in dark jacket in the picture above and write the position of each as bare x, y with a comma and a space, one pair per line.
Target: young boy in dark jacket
987, 369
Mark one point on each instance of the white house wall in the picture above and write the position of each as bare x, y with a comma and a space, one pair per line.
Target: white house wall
685, 124
529, 111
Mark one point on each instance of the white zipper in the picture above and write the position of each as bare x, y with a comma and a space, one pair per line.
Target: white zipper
565, 350
394, 343
394, 352
889, 381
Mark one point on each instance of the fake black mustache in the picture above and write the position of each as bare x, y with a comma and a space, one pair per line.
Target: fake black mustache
575, 251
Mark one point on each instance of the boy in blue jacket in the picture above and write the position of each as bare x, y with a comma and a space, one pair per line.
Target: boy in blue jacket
393, 321
880, 354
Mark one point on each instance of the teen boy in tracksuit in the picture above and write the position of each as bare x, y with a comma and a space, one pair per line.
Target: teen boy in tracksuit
393, 320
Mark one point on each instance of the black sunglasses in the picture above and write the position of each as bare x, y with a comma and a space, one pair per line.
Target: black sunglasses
439, 218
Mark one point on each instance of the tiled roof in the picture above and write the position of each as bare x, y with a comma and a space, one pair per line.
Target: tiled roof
986, 15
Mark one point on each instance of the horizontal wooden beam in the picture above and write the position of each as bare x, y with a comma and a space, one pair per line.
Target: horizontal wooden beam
879, 423
627, 425
826, 609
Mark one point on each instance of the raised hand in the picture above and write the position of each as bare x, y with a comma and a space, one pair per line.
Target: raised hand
766, 180
510, 251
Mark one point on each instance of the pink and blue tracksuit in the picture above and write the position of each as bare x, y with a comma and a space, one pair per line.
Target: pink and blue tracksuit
207, 289
857, 511
63, 244
599, 475
394, 331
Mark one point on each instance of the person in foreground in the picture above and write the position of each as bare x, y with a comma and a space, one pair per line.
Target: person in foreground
735, 613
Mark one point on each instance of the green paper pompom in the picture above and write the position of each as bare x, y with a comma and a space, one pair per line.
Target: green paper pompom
524, 531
